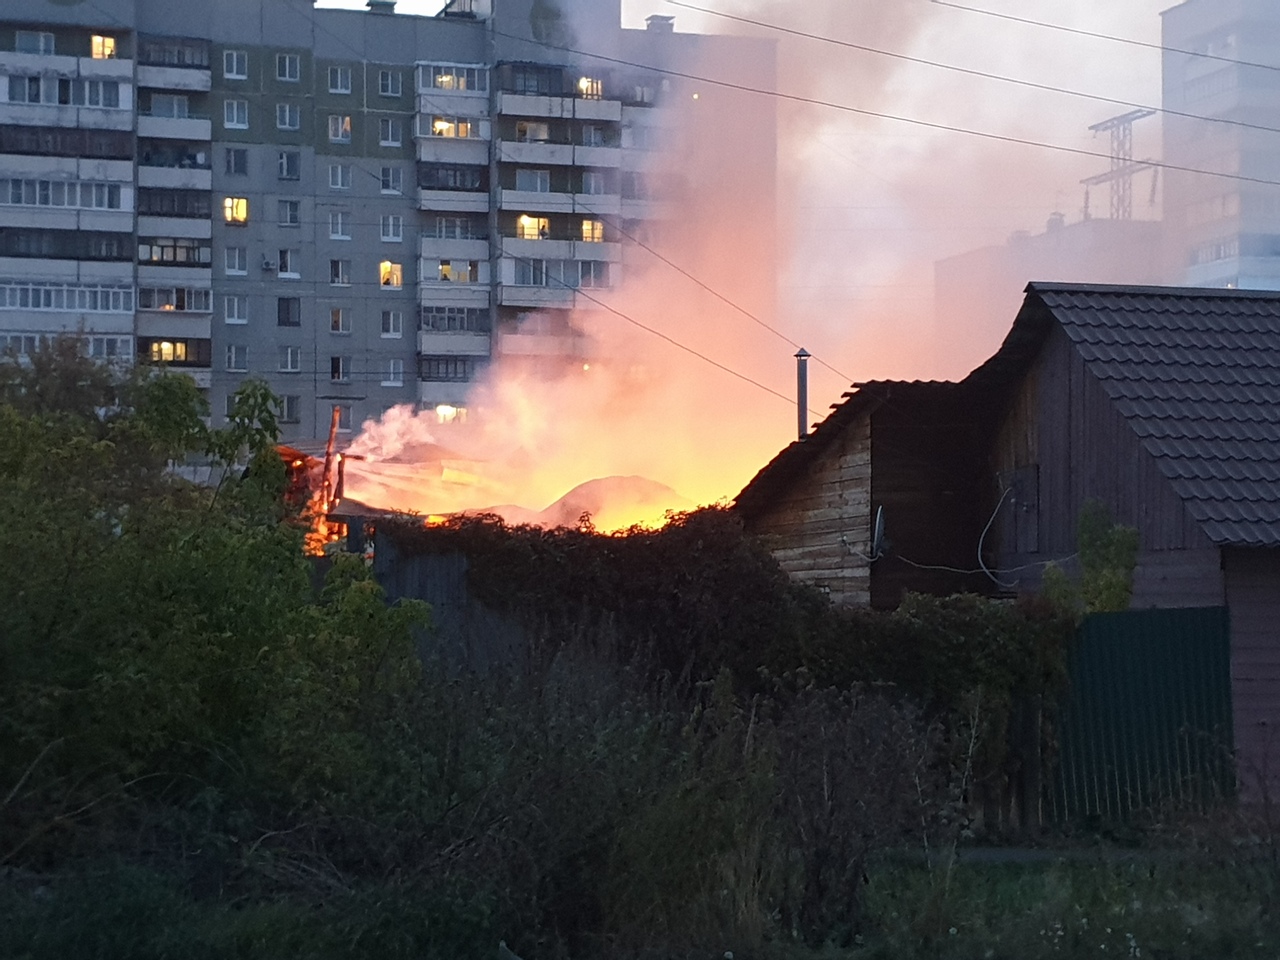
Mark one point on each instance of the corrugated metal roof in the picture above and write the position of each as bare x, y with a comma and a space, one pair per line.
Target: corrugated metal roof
1196, 373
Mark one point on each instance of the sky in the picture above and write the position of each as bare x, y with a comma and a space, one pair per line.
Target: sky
867, 204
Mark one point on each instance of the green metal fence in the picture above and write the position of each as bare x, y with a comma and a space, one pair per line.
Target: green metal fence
1147, 721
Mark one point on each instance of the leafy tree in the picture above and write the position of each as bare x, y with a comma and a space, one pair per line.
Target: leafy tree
1108, 554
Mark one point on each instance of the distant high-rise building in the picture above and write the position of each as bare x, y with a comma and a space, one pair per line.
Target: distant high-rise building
1222, 62
362, 208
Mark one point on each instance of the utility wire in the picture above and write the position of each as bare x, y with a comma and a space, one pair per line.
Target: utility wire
1106, 36
1046, 87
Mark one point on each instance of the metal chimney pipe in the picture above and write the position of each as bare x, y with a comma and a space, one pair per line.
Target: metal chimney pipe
802, 392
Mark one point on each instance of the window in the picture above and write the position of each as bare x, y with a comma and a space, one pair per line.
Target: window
593, 231
84, 297
175, 299
24, 89
160, 202
593, 184
454, 369
459, 271
237, 161
339, 176
459, 127
389, 83
339, 225
290, 359
235, 261
392, 179
392, 324
454, 228
389, 132
31, 41
340, 320
593, 273
167, 351
533, 181
290, 212
288, 116
289, 164
174, 251
450, 176
339, 128
89, 93
289, 265
533, 228
235, 309
235, 114
339, 79
532, 131
390, 274
288, 67
235, 209
59, 193
102, 48
237, 357
392, 225
589, 88
340, 273
531, 273
173, 52
290, 408
394, 375
344, 416
532, 80
174, 105
460, 79
450, 319
235, 64
592, 135
339, 369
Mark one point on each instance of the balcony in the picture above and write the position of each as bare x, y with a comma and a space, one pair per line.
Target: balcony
170, 324
529, 105
582, 250
61, 115
175, 128
535, 153
537, 249
542, 345
437, 343
635, 209
536, 201
534, 297
443, 293
436, 248
453, 201
453, 150
175, 178
433, 393
174, 78
201, 229
598, 156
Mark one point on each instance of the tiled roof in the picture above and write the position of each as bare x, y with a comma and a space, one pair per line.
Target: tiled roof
1196, 373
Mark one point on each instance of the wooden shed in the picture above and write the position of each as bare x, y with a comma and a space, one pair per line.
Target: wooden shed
1161, 403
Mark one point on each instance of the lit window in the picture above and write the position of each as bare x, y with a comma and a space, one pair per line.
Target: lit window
339, 225
339, 176
235, 64
392, 324
392, 228
339, 320
390, 274
454, 127
389, 132
593, 231
474, 79
235, 114
339, 128
339, 79
533, 228
288, 116
288, 67
590, 88
459, 271
235, 209
394, 376
102, 48
389, 84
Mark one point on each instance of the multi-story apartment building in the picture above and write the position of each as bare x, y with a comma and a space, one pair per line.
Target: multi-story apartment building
362, 208
1222, 63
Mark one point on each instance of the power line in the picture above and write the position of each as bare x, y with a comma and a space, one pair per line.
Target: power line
1045, 87
1106, 36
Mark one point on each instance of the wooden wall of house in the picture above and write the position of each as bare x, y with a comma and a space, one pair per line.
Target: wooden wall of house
819, 530
926, 470
1253, 596
1061, 443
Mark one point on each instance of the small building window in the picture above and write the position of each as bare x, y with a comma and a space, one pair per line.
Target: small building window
392, 324
237, 357
590, 88
389, 132
290, 165
290, 212
339, 176
389, 83
290, 408
394, 375
340, 273
392, 179
339, 225
340, 320
339, 79
339, 369
235, 114
32, 41
290, 359
237, 161
236, 309
102, 47
593, 231
290, 264
235, 64
390, 275
235, 209
392, 227
288, 116
533, 228
288, 67
339, 128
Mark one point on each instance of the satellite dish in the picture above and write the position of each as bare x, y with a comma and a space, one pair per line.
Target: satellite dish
877, 534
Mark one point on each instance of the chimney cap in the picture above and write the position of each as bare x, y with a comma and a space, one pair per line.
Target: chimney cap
381, 6
660, 24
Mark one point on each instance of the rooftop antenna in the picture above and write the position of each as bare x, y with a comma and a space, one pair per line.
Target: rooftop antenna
1123, 167
802, 392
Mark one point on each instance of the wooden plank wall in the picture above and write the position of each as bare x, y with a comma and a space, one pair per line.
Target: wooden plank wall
1253, 595
819, 530
1061, 420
